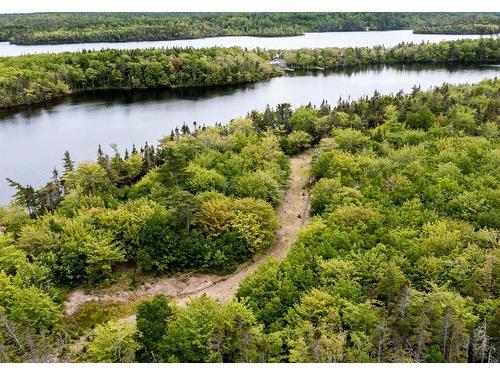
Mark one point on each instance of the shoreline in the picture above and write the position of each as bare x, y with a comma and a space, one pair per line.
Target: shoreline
282, 71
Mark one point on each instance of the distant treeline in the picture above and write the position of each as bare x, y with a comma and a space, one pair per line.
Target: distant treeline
32, 79
459, 29
46, 28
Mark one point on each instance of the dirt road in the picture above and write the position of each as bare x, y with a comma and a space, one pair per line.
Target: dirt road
292, 214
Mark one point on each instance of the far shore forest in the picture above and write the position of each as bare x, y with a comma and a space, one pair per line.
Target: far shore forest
32, 79
54, 28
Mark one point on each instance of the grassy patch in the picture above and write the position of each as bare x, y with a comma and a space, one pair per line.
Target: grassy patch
93, 313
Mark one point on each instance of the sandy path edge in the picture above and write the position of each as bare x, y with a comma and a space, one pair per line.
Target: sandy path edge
292, 214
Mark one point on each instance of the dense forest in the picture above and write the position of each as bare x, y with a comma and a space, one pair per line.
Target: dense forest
485, 50
459, 29
203, 199
47, 28
31, 79
36, 78
400, 262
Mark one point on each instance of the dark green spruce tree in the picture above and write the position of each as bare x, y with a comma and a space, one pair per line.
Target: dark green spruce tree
152, 319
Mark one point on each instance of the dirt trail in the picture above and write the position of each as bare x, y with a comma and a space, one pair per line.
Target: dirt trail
292, 214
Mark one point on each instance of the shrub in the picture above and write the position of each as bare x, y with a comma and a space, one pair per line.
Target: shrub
113, 342
296, 142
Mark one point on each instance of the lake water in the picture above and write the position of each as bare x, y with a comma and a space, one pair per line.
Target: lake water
308, 40
33, 141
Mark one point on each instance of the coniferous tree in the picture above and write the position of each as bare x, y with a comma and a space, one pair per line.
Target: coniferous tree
324, 108
24, 196
283, 116
101, 158
185, 129
68, 164
268, 119
52, 192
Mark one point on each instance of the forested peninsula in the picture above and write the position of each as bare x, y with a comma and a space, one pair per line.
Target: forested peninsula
53, 28
398, 263
30, 79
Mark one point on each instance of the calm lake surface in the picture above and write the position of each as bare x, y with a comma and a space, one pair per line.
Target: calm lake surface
33, 141
308, 40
